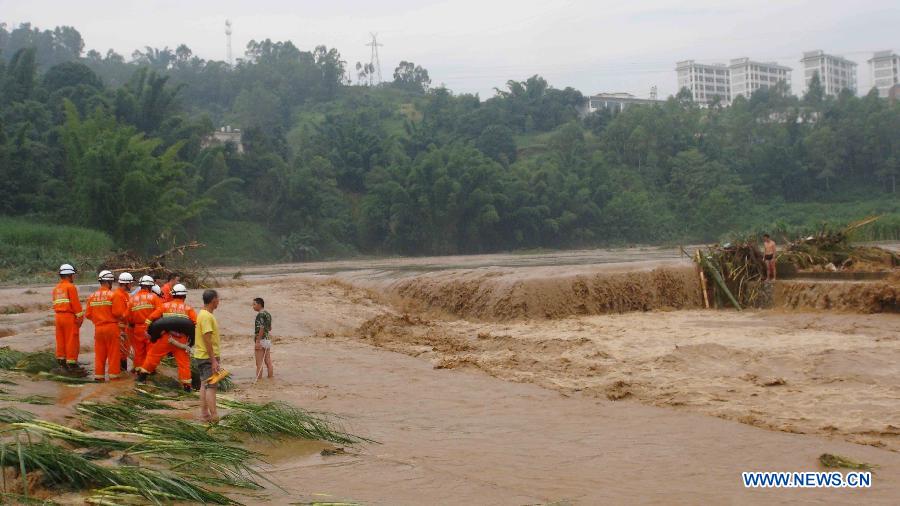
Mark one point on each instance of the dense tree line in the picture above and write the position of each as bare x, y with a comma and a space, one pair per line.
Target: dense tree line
331, 166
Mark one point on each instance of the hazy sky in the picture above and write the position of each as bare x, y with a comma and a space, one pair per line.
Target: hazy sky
475, 45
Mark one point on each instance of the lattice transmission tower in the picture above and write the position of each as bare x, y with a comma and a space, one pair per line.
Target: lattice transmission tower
228, 56
374, 61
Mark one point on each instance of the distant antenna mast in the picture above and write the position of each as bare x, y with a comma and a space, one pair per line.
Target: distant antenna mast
374, 61
228, 42
653, 92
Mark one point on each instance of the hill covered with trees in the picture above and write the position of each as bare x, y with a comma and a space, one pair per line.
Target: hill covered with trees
333, 167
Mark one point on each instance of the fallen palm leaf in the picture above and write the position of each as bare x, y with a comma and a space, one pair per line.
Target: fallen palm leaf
10, 357
31, 399
275, 419
836, 461
36, 362
15, 415
79, 438
66, 468
64, 379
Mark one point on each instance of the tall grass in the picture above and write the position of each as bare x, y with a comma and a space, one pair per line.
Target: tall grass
29, 248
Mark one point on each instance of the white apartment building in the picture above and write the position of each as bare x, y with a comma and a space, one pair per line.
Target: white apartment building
885, 69
705, 82
747, 76
835, 72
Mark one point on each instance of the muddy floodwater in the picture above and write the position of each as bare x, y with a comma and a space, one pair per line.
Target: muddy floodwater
583, 377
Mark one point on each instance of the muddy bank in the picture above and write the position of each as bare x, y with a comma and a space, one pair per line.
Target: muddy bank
547, 293
881, 296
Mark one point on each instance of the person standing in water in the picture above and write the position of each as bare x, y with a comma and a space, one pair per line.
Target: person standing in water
769, 258
207, 346
262, 344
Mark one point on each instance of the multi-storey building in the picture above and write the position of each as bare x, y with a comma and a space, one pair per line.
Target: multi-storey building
705, 82
885, 69
835, 73
747, 76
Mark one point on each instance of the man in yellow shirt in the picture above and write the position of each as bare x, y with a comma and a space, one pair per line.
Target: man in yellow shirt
206, 351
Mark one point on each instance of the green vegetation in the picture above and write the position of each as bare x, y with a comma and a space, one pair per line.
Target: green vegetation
334, 168
278, 419
836, 461
231, 242
160, 457
29, 247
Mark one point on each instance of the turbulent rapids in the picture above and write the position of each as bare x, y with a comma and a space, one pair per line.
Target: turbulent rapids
497, 294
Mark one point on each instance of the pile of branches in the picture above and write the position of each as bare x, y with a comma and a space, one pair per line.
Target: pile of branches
171, 261
733, 273
831, 249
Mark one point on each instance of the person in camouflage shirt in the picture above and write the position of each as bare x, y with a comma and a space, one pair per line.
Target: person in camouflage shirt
263, 345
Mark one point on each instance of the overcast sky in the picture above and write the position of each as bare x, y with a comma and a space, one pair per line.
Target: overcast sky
475, 45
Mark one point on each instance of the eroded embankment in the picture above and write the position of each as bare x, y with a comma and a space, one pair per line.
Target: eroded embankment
549, 293
854, 296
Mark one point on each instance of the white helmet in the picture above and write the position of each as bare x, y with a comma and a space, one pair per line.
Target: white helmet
156, 289
179, 290
105, 276
146, 281
66, 269
126, 278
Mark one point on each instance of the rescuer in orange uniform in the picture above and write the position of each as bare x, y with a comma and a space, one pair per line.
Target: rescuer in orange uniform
106, 329
121, 301
167, 288
175, 343
143, 304
68, 315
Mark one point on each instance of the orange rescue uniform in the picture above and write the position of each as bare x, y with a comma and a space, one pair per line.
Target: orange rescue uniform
166, 292
106, 333
121, 301
162, 347
69, 316
143, 304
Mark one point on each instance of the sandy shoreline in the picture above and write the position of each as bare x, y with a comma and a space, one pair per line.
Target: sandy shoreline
658, 407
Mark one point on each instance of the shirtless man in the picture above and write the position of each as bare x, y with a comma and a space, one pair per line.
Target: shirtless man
769, 258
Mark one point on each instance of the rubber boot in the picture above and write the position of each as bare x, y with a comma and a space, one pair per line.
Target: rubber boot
75, 371
142, 377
